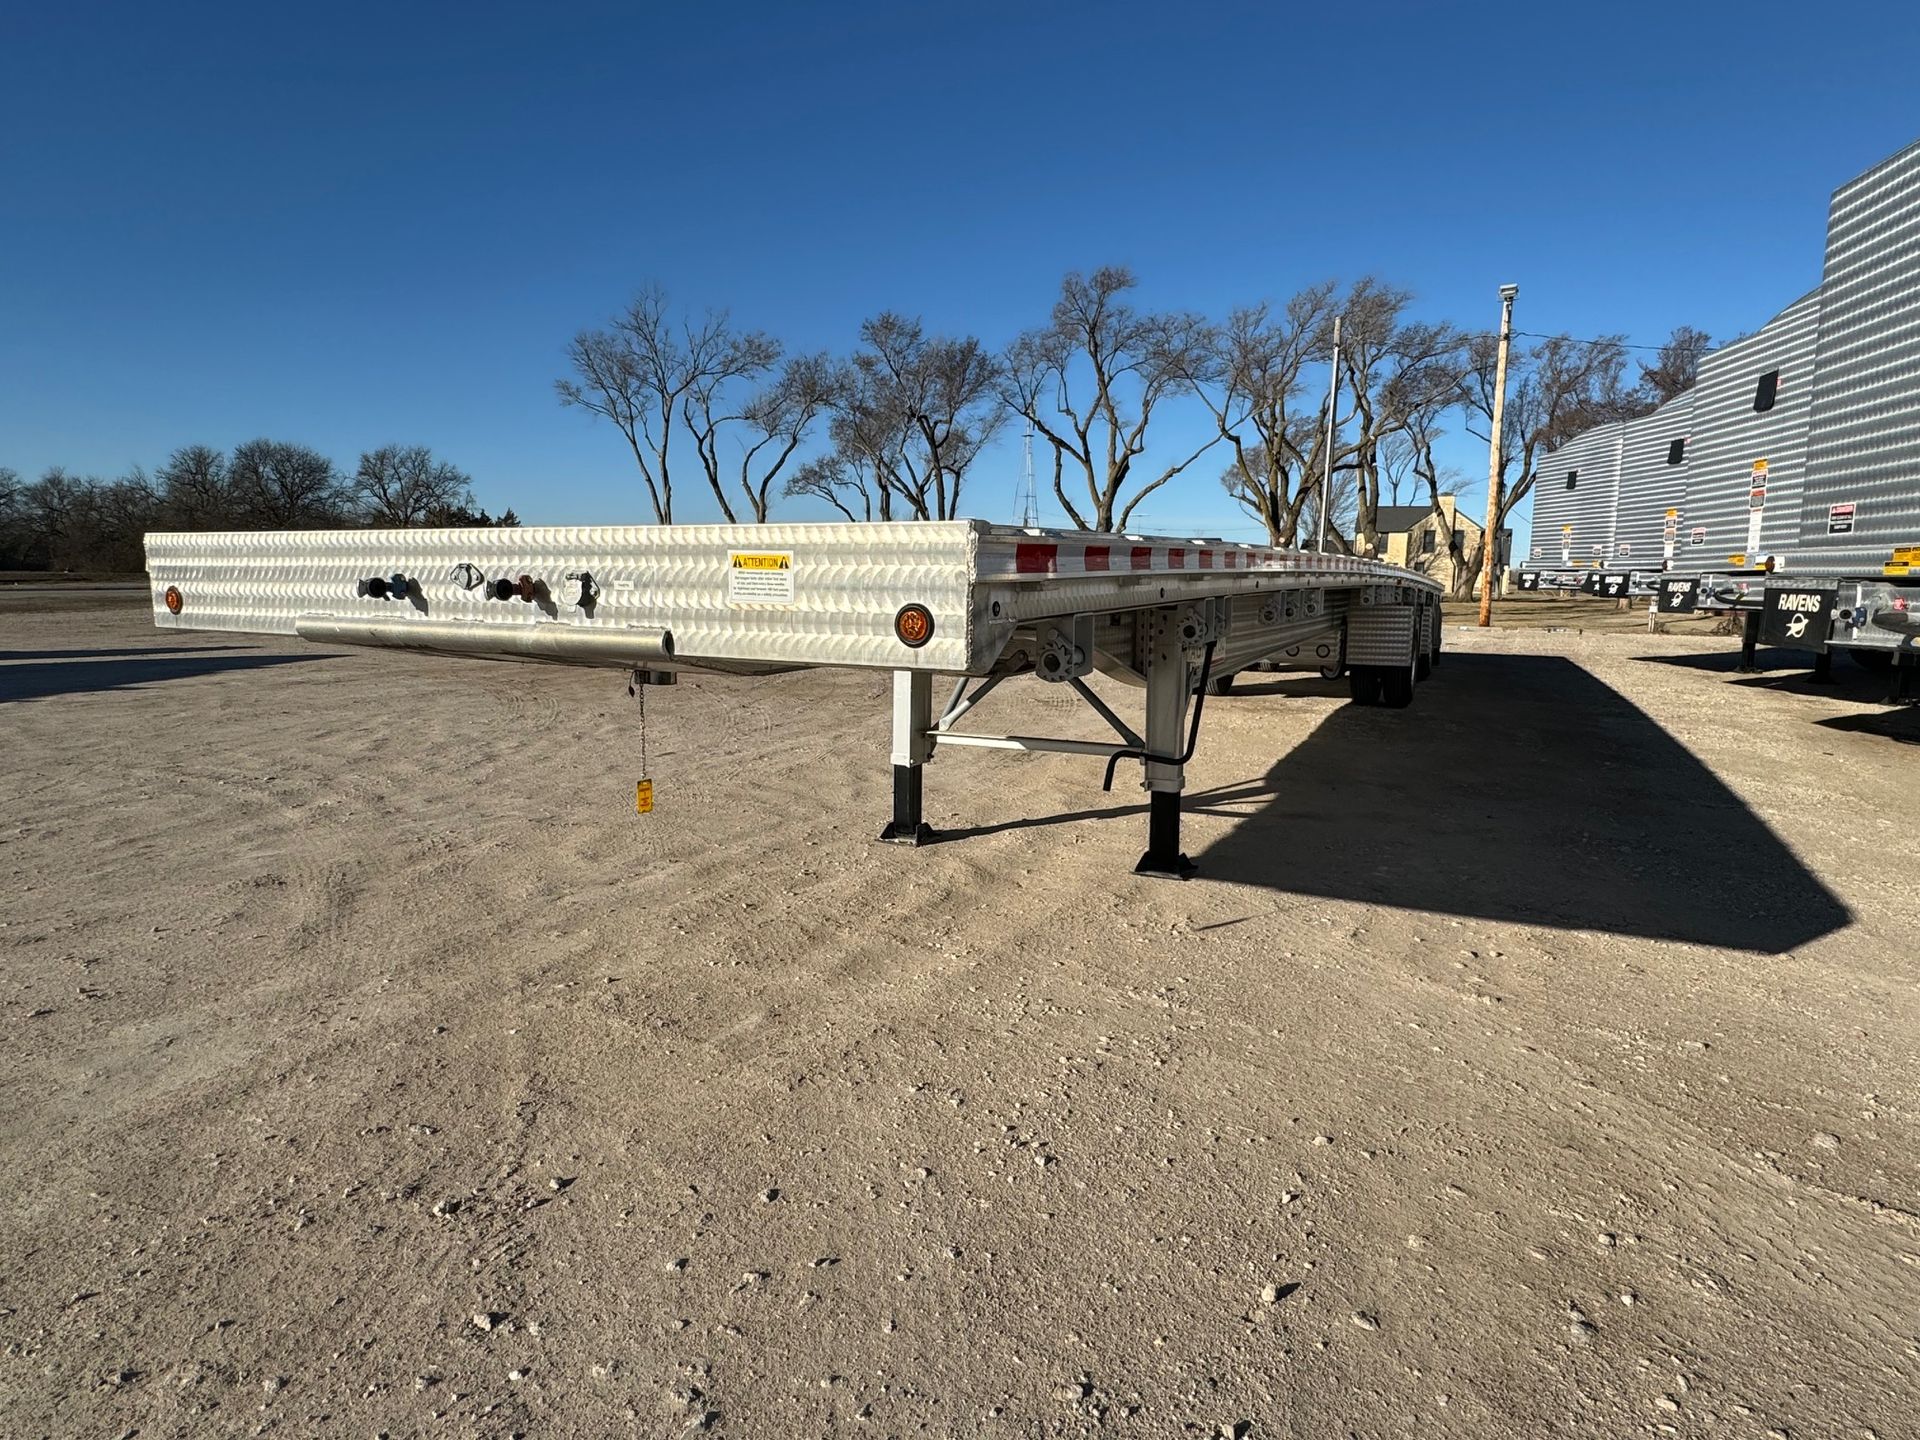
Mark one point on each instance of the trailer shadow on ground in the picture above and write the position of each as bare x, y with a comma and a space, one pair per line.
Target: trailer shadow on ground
1787, 670
1899, 725
107, 652
41, 679
1520, 788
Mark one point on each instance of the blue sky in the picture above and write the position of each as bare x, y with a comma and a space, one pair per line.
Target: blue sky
352, 225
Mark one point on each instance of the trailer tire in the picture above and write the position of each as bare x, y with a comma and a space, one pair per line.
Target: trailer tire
1363, 684
1878, 661
1396, 685
1220, 684
1332, 672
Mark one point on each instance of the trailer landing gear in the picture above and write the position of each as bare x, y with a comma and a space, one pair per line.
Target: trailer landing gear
1163, 855
1749, 639
906, 827
912, 747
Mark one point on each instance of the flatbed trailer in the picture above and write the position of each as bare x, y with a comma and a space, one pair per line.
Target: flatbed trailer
1875, 619
965, 600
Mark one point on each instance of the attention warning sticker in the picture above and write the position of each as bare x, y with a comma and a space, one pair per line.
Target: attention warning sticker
760, 577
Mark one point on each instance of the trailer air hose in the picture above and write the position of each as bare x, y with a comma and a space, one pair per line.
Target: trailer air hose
1141, 753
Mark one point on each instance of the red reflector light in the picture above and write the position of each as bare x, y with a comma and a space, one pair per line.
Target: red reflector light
175, 600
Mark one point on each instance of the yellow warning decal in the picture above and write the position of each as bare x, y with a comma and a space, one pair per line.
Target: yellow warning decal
1738, 561
760, 577
643, 797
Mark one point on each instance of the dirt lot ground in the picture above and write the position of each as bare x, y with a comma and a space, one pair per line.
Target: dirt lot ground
1539, 1060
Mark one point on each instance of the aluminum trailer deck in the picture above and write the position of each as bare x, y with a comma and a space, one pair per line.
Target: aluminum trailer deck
964, 599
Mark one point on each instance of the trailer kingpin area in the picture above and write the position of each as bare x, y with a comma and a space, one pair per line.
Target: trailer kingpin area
963, 599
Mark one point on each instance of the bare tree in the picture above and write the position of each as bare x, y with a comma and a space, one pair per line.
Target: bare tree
911, 414
1120, 364
1264, 356
197, 488
1676, 367
1413, 448
1397, 371
640, 370
1555, 389
776, 420
121, 513
12, 536
843, 479
51, 511
1393, 371
278, 485
1399, 466
403, 485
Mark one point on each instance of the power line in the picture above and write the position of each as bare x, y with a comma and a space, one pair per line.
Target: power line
1610, 340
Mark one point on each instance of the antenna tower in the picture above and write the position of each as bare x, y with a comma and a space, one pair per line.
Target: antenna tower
1029, 497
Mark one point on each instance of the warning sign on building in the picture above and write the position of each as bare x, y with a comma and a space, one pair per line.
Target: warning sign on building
760, 577
1840, 519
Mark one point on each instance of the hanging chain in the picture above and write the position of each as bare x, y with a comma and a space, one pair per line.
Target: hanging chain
640, 696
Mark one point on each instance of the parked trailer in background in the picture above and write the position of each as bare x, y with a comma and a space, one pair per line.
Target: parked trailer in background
1800, 451
1854, 583
1653, 491
972, 602
1747, 463
1574, 504
1850, 578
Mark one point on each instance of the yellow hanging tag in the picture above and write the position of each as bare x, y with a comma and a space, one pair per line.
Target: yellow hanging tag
643, 797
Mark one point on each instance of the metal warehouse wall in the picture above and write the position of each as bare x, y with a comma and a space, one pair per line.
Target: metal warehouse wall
1730, 438
1587, 505
1649, 486
1864, 444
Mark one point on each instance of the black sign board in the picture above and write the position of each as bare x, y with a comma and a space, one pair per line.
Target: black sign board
1614, 583
1678, 595
1840, 519
1798, 618
1528, 580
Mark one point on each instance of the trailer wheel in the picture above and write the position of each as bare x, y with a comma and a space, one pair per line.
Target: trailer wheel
1220, 684
1422, 666
1878, 661
1363, 684
1396, 685
1332, 672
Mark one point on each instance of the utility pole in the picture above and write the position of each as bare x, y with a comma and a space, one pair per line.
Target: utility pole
1326, 482
1490, 533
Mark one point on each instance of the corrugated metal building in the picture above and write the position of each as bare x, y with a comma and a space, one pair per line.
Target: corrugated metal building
1575, 500
1653, 481
1803, 439
1750, 409
1864, 448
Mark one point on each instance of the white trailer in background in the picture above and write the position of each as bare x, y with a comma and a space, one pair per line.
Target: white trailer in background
974, 602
